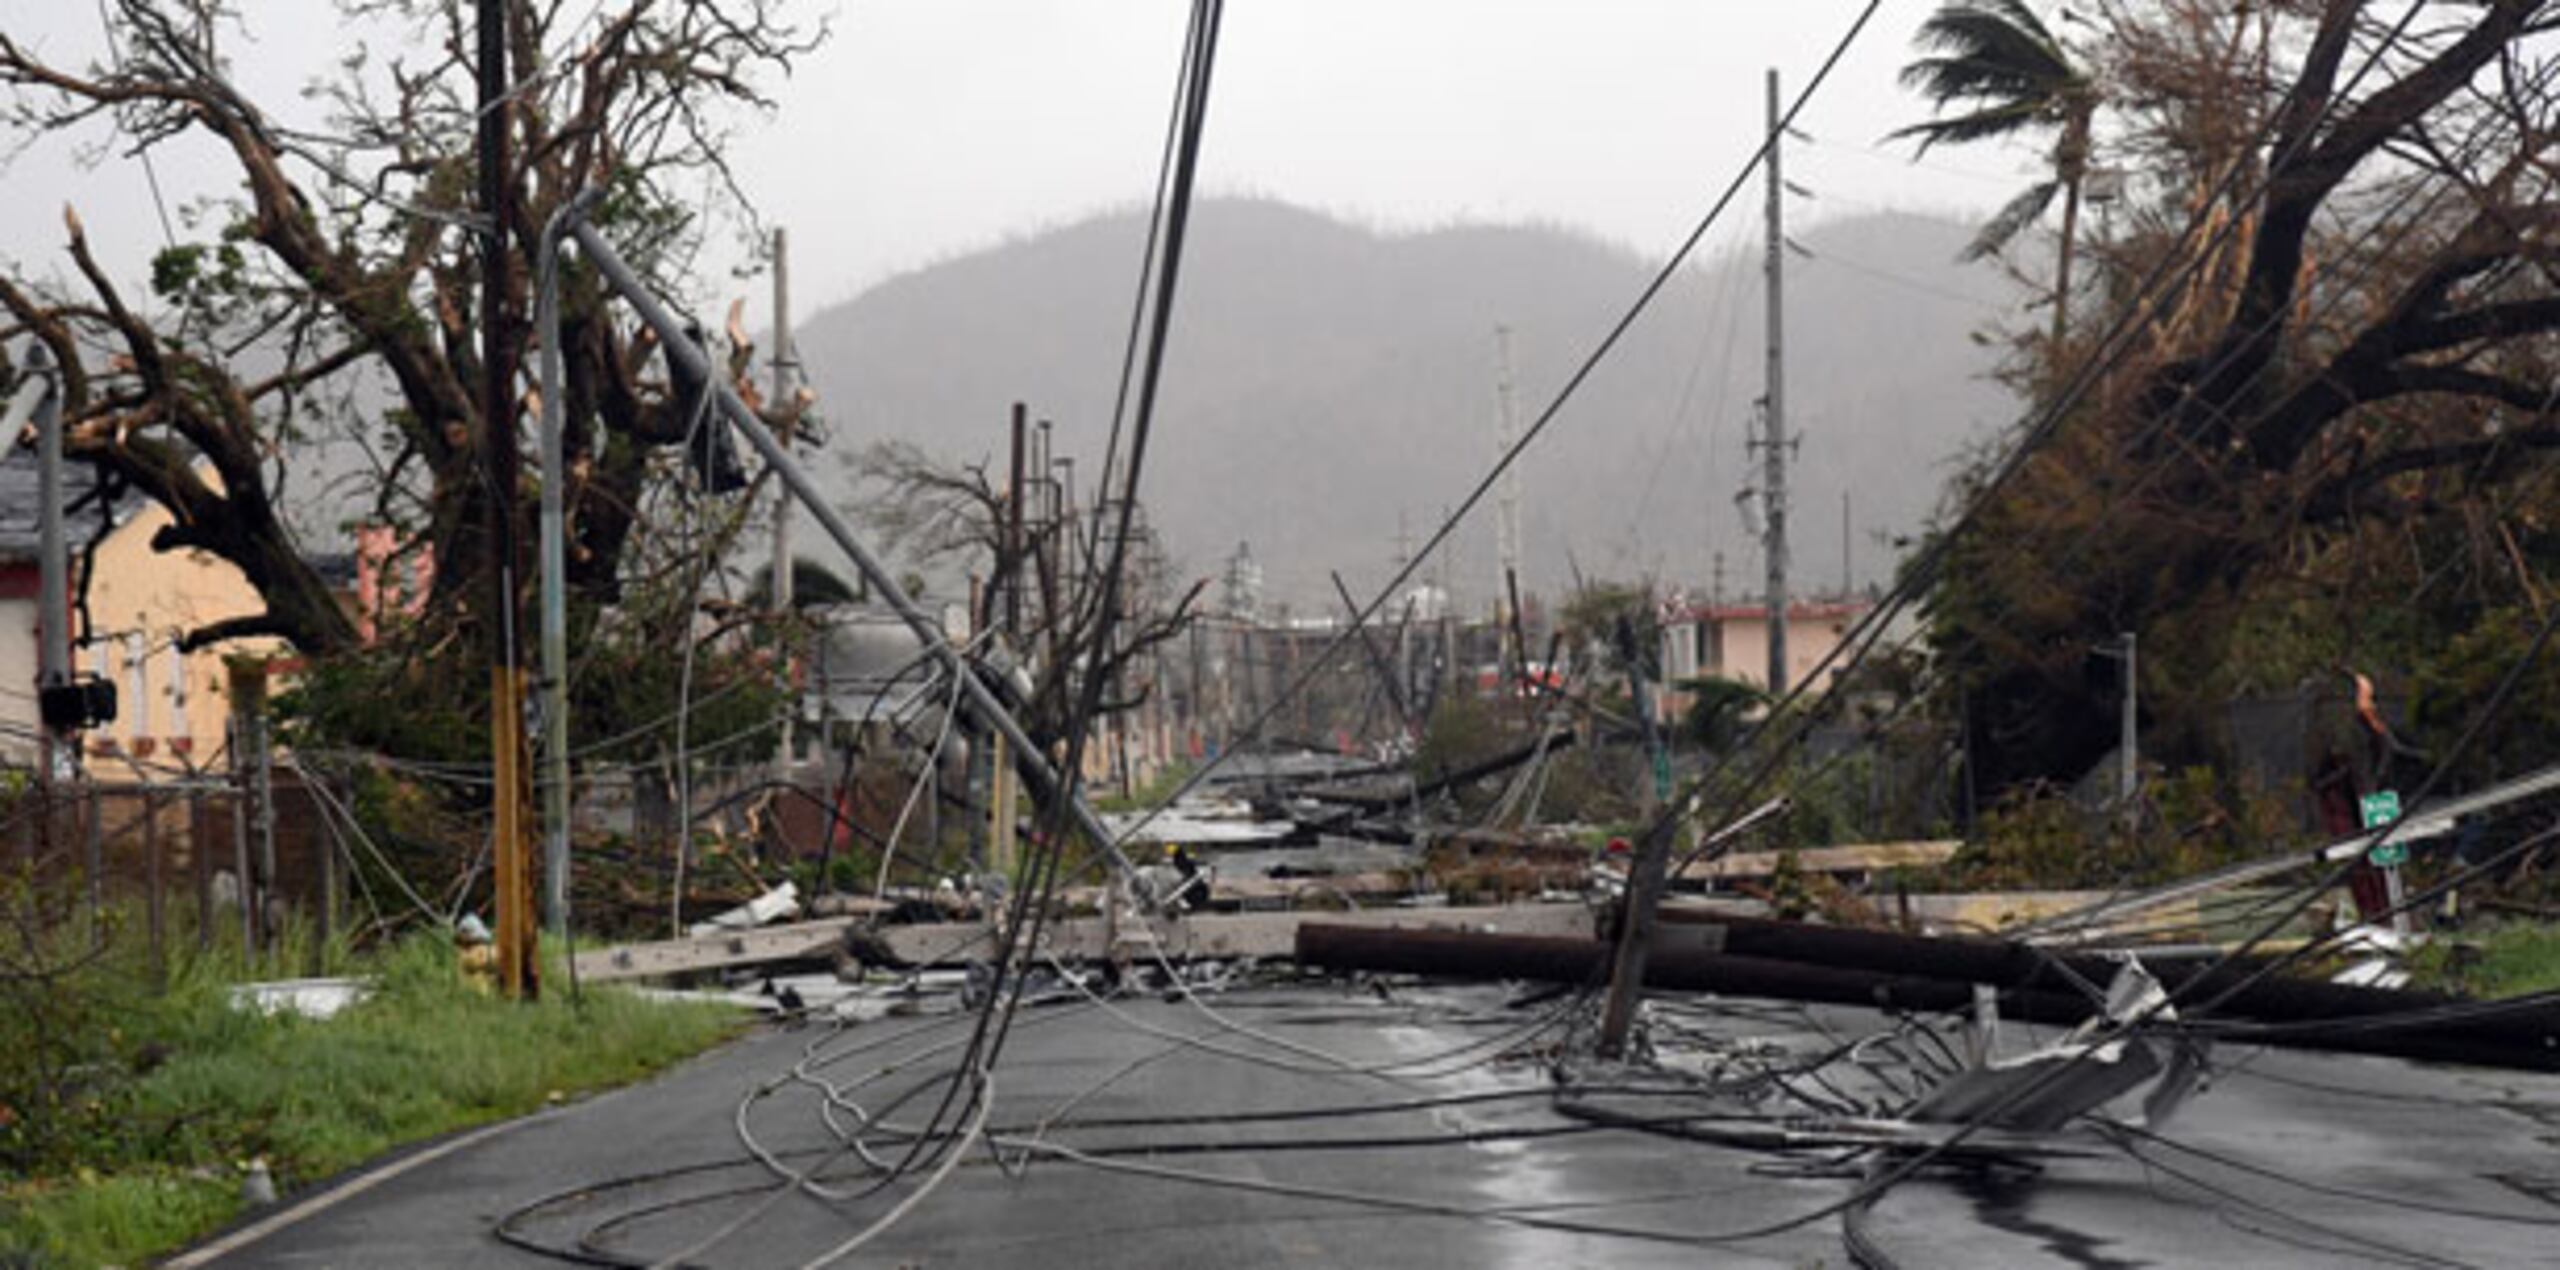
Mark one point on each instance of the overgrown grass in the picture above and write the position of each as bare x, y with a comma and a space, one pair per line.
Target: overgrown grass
1145, 797
184, 1090
2504, 961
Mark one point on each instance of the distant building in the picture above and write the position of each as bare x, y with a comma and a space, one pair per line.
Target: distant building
1731, 641
170, 704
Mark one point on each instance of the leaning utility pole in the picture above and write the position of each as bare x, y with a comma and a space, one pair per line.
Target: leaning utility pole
784, 361
518, 971
1773, 434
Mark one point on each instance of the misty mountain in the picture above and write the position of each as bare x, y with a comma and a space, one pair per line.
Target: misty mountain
1328, 383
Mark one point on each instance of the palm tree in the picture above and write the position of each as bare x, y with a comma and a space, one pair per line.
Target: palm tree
2011, 76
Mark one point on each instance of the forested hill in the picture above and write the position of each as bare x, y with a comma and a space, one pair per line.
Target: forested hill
1325, 379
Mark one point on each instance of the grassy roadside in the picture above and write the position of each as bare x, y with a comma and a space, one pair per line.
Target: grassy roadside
184, 1091
2501, 961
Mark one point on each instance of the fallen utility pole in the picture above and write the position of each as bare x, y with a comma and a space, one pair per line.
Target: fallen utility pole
1691, 960
976, 698
2009, 964
2423, 821
1558, 739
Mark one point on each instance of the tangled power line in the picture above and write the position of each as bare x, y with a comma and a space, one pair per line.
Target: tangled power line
874, 1162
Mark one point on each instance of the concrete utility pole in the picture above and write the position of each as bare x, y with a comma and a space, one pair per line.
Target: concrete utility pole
518, 969
1507, 522
1773, 436
784, 362
53, 572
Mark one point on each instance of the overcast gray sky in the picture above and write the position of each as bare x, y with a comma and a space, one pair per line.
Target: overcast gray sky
926, 128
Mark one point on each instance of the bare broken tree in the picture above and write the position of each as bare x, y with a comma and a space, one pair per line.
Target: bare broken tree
938, 512
350, 264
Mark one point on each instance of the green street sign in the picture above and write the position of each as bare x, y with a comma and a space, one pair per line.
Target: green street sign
2381, 807
2388, 854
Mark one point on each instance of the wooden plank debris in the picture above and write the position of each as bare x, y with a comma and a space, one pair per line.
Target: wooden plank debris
1873, 857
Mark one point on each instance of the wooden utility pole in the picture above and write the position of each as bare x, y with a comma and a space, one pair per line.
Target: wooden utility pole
518, 969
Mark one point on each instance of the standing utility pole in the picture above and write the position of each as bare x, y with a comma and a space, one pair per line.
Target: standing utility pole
1773, 435
784, 363
517, 969
2129, 771
1507, 524
53, 573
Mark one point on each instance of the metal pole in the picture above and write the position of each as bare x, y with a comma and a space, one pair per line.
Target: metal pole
200, 859
555, 580
157, 912
1507, 526
267, 891
518, 973
2130, 773
94, 857
784, 362
240, 839
1009, 569
980, 701
1774, 417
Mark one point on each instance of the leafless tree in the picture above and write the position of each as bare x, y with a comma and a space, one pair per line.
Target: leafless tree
353, 253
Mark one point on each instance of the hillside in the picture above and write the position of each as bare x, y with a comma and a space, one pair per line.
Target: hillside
1325, 379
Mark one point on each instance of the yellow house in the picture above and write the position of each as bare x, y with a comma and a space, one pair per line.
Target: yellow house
170, 705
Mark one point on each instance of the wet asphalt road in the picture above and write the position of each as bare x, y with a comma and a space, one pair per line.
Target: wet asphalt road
2324, 1157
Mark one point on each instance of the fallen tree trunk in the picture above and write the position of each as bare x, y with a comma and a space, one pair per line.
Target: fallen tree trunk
2522, 1040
